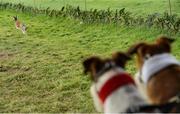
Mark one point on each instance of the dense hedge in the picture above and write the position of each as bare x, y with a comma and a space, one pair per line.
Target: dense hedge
121, 17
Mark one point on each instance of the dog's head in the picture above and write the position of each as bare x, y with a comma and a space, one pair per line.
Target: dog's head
94, 64
15, 18
144, 50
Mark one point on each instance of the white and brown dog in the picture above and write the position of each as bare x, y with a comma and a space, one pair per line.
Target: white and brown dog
113, 90
159, 71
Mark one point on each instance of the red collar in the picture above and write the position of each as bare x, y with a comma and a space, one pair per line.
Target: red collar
113, 84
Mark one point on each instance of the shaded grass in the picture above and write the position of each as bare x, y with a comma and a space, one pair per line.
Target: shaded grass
42, 72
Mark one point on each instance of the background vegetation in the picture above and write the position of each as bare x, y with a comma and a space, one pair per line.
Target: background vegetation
42, 71
170, 22
136, 6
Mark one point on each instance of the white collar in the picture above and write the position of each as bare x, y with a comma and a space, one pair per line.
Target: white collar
155, 64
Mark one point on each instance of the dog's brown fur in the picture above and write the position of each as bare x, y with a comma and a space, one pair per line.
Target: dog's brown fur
166, 83
94, 64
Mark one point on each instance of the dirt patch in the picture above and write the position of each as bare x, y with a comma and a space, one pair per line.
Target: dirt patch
3, 69
5, 55
13, 69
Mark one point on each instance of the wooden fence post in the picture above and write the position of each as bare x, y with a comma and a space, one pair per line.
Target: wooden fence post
34, 3
64, 2
85, 3
170, 10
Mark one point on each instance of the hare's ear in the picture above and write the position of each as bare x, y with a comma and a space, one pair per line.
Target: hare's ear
15, 18
134, 48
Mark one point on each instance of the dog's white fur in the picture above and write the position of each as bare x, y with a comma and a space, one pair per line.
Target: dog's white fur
141, 86
156, 63
119, 100
152, 66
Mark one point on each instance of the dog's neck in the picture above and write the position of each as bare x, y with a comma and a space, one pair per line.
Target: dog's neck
108, 66
106, 76
111, 81
156, 63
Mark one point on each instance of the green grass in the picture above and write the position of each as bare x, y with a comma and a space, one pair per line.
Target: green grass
42, 71
140, 7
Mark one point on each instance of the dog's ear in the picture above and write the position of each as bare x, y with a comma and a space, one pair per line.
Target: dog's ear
121, 58
88, 63
165, 43
134, 48
164, 39
15, 18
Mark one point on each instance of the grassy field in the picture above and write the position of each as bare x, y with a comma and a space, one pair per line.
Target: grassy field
139, 7
42, 71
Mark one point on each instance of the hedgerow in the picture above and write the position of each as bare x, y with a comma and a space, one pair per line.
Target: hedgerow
120, 17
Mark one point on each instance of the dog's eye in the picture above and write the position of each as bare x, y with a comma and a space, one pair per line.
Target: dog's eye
109, 64
147, 56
